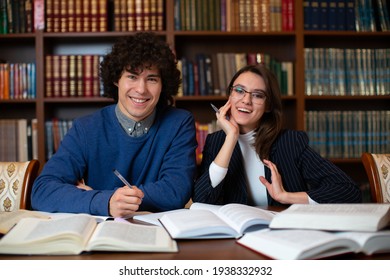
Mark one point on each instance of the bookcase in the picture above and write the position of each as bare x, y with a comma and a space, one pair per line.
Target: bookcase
282, 45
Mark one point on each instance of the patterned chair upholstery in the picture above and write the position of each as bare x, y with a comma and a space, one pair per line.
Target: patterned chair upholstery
377, 167
16, 180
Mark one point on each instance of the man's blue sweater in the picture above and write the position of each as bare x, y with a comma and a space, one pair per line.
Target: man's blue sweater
162, 163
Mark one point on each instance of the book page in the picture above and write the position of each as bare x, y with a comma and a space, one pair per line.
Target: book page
241, 217
120, 236
154, 218
370, 242
338, 217
197, 224
10, 219
297, 244
55, 236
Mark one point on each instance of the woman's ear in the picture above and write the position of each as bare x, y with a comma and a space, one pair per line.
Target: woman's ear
115, 83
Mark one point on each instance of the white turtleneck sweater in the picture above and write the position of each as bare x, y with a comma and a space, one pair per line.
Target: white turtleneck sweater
254, 168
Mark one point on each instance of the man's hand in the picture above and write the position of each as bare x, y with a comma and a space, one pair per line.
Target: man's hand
125, 201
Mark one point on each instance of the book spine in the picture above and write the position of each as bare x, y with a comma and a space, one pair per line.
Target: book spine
79, 76
87, 75
72, 75
56, 76
78, 16
29, 16
341, 15
94, 21
86, 16
102, 16
63, 16
49, 76
64, 75
56, 15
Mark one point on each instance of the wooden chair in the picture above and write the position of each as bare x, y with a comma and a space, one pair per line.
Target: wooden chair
377, 167
16, 180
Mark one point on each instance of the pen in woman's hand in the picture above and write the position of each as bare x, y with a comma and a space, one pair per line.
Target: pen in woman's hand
122, 178
216, 110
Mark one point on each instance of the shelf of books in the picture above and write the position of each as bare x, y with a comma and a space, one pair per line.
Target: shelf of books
331, 59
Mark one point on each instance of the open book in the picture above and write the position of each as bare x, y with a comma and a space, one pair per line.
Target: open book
206, 221
314, 244
9, 219
74, 234
337, 217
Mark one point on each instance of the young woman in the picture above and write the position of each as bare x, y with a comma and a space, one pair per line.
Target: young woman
253, 161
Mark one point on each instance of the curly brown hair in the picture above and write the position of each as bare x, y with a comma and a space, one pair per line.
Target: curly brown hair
138, 52
270, 124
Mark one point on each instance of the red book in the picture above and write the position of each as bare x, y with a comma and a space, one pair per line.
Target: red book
102, 15
87, 75
49, 76
139, 15
56, 76
86, 16
64, 75
63, 16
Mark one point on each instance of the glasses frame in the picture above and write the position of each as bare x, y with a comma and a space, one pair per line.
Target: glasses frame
234, 93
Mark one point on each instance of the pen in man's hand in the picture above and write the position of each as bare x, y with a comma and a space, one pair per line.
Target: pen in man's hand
122, 178
216, 110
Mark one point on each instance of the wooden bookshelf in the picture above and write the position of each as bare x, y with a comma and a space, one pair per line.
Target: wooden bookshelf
283, 45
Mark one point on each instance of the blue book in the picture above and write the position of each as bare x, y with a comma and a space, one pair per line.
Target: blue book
323, 25
350, 19
315, 14
332, 14
340, 15
307, 15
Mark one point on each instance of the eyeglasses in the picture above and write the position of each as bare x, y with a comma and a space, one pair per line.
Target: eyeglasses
238, 92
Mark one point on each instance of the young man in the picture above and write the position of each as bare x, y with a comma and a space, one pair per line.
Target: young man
149, 142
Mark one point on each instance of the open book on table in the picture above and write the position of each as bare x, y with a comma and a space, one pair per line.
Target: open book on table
295, 244
206, 221
72, 235
337, 217
9, 219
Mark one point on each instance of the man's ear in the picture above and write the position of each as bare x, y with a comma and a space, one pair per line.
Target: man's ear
115, 83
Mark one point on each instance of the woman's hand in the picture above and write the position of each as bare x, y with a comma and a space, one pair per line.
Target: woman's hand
276, 189
226, 122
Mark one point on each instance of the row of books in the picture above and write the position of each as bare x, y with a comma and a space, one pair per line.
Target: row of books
55, 132
18, 139
75, 15
338, 134
16, 16
17, 81
351, 15
202, 130
138, 15
26, 16
234, 15
210, 74
73, 76
347, 71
